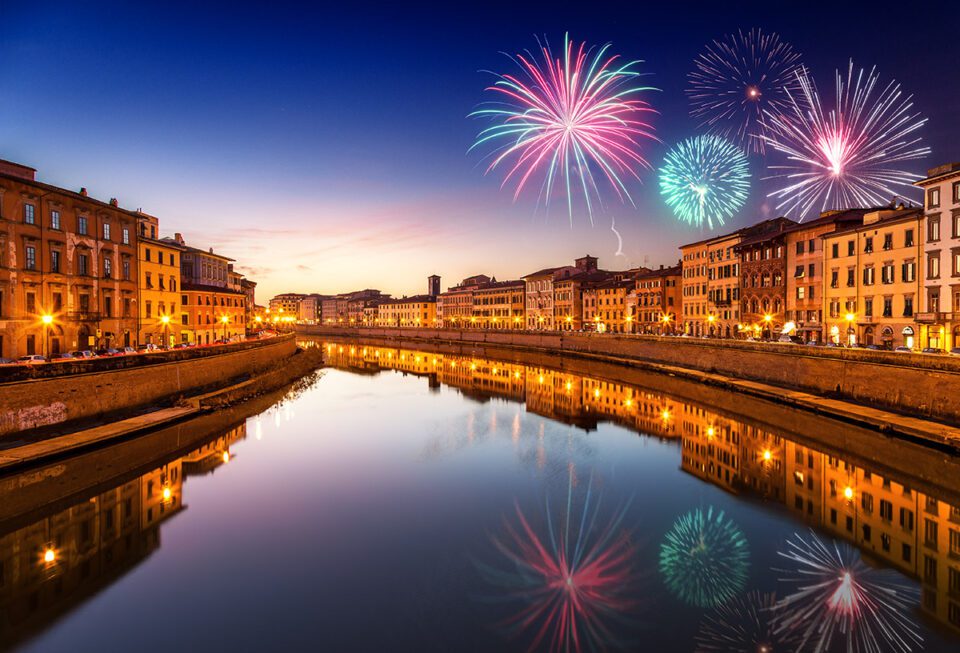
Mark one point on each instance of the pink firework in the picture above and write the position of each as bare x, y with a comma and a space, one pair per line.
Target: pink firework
573, 581
568, 122
848, 155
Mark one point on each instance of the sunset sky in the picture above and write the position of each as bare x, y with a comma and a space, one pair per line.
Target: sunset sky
326, 150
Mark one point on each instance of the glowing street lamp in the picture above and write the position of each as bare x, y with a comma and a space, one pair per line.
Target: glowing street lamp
226, 320
46, 319
165, 320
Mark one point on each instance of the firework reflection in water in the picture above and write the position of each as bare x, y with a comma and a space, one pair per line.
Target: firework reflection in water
704, 558
837, 597
744, 624
573, 577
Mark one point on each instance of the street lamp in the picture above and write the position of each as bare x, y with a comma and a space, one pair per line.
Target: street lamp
165, 319
851, 332
47, 320
225, 321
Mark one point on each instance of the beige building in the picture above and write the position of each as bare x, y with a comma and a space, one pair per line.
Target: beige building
873, 281
159, 286
544, 310
939, 315
499, 305
416, 311
455, 306
694, 288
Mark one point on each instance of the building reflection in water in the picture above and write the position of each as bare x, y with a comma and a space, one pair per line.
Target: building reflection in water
57, 562
891, 523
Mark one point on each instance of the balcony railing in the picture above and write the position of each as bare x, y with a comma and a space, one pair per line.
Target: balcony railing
932, 317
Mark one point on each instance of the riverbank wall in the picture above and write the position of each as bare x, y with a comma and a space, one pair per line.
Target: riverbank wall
57, 401
915, 384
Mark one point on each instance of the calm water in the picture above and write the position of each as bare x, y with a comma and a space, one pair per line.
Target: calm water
415, 501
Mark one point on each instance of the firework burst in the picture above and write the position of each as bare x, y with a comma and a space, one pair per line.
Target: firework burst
705, 179
744, 624
704, 558
573, 579
739, 77
570, 122
838, 597
848, 155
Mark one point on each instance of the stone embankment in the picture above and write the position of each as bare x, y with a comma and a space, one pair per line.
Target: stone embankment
915, 384
133, 384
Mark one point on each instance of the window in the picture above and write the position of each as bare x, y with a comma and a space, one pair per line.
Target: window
82, 267
868, 247
835, 278
82, 225
933, 229
906, 519
908, 306
147, 253
956, 263
956, 192
886, 510
31, 262
888, 307
909, 271
31, 302
851, 248
868, 276
54, 261
107, 306
126, 236
835, 250
799, 272
888, 241
868, 306
933, 266
887, 274
930, 533
149, 308
84, 303
57, 302
800, 292
54, 219
908, 238
148, 279
799, 247
107, 268
851, 278
812, 269
954, 542
106, 231
933, 198
30, 214
126, 269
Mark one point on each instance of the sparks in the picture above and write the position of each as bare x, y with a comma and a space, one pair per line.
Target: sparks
848, 155
572, 121
736, 79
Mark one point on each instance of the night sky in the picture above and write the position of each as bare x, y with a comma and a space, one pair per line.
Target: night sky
326, 149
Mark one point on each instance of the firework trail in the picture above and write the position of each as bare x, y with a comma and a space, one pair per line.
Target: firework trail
739, 77
848, 155
839, 598
744, 624
573, 579
705, 179
619, 252
572, 121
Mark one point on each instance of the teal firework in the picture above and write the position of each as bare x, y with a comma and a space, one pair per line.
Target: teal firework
704, 558
705, 179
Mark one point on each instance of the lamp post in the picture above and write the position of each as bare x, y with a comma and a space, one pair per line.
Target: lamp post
851, 332
165, 320
225, 320
767, 319
710, 320
47, 320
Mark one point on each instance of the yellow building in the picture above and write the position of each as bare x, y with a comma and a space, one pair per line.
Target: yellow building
499, 305
158, 285
873, 281
416, 311
608, 308
694, 288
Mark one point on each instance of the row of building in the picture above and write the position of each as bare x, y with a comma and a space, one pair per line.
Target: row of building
887, 276
905, 527
79, 273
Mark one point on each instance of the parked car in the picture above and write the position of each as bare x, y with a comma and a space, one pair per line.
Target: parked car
7, 361
86, 353
793, 340
838, 345
110, 351
814, 343
902, 350
873, 347
127, 351
31, 359
62, 356
183, 345
931, 350
955, 351
149, 347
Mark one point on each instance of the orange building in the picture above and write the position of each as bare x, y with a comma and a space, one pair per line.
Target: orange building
656, 300
210, 313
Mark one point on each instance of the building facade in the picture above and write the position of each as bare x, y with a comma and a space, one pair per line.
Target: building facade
873, 279
762, 253
160, 318
694, 288
407, 312
499, 305
68, 268
939, 318
656, 300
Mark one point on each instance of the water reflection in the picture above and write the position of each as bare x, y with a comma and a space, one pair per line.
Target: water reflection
60, 560
891, 523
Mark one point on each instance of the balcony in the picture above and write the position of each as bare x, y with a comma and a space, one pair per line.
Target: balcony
82, 316
932, 317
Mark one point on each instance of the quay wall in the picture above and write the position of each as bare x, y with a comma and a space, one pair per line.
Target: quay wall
42, 403
918, 384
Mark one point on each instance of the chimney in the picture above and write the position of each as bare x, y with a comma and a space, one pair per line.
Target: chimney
83, 191
179, 238
113, 201
211, 250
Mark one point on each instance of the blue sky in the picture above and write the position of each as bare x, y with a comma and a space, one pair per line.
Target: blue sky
326, 148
